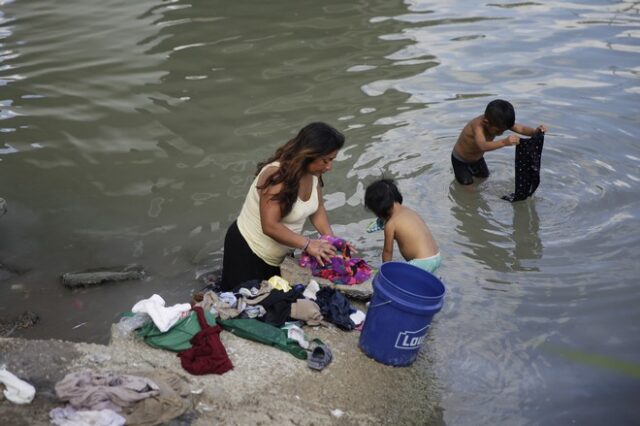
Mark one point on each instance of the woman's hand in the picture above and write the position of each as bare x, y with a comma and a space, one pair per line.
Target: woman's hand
321, 250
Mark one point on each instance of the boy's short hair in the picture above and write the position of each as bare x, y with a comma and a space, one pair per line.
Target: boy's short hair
380, 196
501, 114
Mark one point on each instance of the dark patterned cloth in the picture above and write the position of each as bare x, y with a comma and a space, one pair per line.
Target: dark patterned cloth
528, 157
335, 308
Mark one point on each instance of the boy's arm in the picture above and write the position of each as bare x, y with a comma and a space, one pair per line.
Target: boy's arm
387, 250
484, 145
526, 130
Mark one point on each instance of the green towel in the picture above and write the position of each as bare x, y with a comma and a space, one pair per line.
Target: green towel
177, 338
267, 334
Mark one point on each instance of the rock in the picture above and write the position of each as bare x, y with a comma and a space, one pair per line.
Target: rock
337, 413
296, 274
100, 358
24, 320
3, 206
99, 275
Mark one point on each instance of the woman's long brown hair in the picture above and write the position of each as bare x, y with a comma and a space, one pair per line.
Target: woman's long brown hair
312, 142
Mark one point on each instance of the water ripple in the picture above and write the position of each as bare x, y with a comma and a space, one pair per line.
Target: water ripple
137, 135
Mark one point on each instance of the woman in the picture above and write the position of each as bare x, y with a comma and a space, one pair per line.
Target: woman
286, 191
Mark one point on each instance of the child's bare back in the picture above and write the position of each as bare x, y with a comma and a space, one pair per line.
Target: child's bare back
402, 225
412, 234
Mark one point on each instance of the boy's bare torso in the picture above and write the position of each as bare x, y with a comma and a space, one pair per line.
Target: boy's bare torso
412, 234
466, 146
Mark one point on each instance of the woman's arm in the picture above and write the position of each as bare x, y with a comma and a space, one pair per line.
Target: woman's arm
320, 219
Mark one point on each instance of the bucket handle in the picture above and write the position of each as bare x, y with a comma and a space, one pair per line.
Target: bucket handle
380, 304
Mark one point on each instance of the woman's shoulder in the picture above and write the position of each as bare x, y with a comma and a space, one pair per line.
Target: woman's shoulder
265, 173
268, 170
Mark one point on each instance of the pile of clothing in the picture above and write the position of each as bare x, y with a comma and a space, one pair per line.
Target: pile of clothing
110, 399
270, 312
192, 333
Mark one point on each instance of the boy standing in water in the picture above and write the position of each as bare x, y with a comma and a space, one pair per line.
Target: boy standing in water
403, 225
477, 137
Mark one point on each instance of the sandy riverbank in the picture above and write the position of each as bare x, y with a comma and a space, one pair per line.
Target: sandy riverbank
266, 386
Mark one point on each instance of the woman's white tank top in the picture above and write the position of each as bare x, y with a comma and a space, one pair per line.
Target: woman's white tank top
249, 224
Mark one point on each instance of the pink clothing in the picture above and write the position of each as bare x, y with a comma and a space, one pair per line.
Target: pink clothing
342, 269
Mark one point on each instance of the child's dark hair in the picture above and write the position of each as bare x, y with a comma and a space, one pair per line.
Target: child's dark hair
380, 196
500, 113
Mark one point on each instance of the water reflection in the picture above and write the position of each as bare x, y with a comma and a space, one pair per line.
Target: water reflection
483, 232
526, 235
154, 116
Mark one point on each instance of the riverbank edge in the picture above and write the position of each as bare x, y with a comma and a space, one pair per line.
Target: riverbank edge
267, 386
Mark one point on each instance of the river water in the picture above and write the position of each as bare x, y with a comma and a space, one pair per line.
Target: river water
130, 131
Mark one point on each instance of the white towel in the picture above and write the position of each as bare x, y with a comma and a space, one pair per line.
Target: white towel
295, 333
311, 290
163, 317
357, 317
18, 391
68, 416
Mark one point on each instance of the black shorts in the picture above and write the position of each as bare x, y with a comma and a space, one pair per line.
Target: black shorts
466, 171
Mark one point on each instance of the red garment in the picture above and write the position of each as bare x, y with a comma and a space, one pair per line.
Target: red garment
207, 354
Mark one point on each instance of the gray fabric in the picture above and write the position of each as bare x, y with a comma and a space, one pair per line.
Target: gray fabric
97, 391
212, 300
224, 310
170, 403
263, 292
306, 310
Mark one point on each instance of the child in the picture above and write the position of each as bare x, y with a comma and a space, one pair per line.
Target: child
403, 225
478, 135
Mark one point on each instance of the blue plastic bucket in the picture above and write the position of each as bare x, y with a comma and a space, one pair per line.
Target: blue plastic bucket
405, 299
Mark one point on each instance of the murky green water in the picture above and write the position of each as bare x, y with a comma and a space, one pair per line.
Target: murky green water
129, 132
